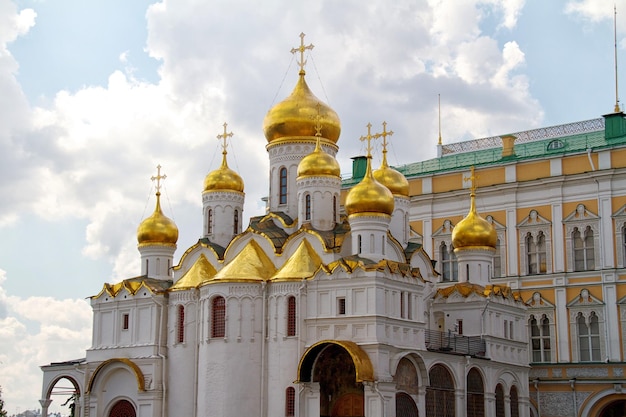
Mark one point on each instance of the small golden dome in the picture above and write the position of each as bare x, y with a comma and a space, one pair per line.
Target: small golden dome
319, 163
296, 116
223, 179
369, 196
474, 231
392, 179
157, 229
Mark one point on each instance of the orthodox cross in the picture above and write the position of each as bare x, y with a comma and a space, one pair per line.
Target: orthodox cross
224, 137
301, 49
384, 136
158, 178
474, 179
369, 138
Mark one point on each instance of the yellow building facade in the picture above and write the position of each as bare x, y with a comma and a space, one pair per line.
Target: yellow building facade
557, 199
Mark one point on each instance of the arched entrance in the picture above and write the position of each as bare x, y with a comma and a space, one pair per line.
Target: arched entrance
339, 368
614, 409
122, 408
440, 393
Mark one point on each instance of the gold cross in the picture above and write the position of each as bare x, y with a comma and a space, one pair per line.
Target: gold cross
473, 178
384, 136
369, 138
225, 136
301, 49
158, 178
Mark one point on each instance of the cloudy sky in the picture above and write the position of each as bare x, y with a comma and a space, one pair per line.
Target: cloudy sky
95, 94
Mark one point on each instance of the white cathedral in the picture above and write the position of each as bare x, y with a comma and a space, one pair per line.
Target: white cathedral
324, 306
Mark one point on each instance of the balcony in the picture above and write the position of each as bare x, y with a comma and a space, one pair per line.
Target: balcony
455, 344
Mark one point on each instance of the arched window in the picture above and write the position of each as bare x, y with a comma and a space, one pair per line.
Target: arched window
236, 222
440, 393
291, 316
540, 339
514, 399
290, 402
499, 401
307, 207
405, 406
475, 405
209, 221
449, 266
584, 259
218, 317
536, 253
282, 199
122, 408
181, 324
588, 337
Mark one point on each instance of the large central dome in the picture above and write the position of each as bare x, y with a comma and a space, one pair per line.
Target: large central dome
298, 116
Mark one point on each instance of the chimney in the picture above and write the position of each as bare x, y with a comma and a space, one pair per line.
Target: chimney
508, 149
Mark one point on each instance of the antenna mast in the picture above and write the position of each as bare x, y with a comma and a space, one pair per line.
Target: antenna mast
617, 109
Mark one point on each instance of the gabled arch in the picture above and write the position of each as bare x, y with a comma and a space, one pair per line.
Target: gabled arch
130, 364
362, 363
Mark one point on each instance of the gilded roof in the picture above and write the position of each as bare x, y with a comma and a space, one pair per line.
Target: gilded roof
303, 264
200, 272
353, 262
265, 226
250, 264
467, 289
133, 285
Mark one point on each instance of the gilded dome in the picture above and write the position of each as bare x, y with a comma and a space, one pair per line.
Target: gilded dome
157, 229
392, 179
369, 196
319, 163
297, 114
223, 179
474, 231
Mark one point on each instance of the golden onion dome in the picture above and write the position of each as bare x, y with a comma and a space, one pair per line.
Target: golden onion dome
297, 114
474, 231
392, 179
369, 196
223, 179
158, 228
319, 163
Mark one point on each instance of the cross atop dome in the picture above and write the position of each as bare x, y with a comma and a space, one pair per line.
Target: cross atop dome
301, 49
224, 136
369, 137
158, 179
384, 136
474, 179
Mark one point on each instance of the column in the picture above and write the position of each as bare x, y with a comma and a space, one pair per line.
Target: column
45, 403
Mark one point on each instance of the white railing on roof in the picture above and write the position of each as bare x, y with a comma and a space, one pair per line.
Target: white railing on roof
586, 126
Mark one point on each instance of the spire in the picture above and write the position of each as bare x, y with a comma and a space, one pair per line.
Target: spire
301, 49
387, 176
473, 179
384, 135
439, 117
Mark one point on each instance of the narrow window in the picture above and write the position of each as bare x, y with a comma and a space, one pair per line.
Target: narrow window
588, 337
449, 263
540, 339
497, 261
291, 316
536, 254
514, 402
125, 321
218, 319
499, 401
181, 324
402, 305
511, 329
506, 329
360, 243
584, 257
459, 327
147, 265
307, 207
290, 402
283, 186
236, 222
334, 208
209, 221
341, 306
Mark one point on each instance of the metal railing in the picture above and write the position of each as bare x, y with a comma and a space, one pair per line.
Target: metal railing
450, 342
585, 126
